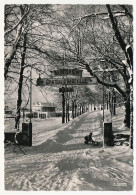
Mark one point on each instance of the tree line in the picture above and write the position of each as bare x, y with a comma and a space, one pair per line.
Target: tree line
97, 38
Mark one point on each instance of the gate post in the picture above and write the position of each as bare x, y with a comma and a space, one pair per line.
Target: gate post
27, 131
108, 135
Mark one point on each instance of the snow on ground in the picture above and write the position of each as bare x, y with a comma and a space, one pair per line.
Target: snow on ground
64, 163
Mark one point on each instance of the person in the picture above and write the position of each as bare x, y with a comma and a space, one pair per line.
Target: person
89, 139
86, 140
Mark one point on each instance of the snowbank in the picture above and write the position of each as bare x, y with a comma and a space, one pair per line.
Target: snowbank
64, 163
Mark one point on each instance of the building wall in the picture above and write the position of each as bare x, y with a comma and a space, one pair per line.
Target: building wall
43, 108
48, 109
37, 108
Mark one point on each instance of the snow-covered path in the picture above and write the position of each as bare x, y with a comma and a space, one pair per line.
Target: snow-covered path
64, 162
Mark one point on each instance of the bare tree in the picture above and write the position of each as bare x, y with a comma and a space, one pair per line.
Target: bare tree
21, 31
101, 38
95, 37
14, 17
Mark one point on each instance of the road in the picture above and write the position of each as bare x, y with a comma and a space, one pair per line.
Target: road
64, 163
43, 129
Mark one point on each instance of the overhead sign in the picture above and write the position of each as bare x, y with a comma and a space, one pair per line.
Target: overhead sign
66, 81
66, 89
66, 72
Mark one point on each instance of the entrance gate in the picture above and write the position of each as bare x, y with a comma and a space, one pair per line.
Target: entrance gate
62, 77
67, 81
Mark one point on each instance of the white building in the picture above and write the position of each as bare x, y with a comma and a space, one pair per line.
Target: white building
46, 110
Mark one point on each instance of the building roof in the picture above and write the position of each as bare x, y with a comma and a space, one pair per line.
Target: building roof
45, 104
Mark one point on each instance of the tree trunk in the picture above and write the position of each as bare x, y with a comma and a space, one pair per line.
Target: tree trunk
75, 109
113, 102
19, 101
72, 109
9, 59
127, 112
127, 106
68, 111
63, 107
107, 102
131, 117
80, 110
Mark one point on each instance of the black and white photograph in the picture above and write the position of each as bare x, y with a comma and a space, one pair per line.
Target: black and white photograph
68, 96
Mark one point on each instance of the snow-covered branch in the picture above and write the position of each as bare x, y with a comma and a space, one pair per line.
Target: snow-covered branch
117, 13
100, 81
19, 22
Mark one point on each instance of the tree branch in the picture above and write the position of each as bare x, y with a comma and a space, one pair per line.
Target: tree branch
126, 11
20, 21
128, 53
107, 84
